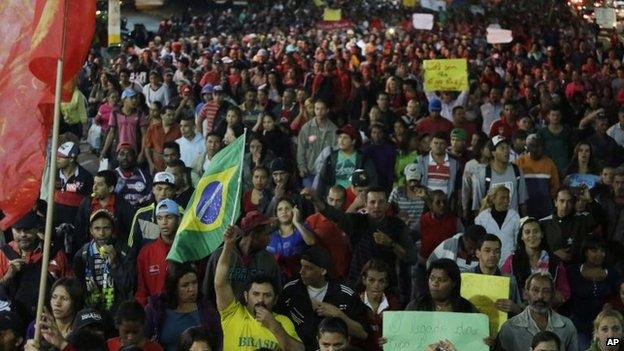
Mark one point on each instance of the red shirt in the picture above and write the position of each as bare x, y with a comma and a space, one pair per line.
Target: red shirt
156, 138
333, 240
501, 127
114, 344
434, 231
432, 125
58, 266
151, 270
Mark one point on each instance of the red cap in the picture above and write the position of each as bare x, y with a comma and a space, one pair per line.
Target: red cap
254, 219
350, 131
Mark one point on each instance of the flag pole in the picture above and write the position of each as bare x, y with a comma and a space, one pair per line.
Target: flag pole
240, 180
45, 259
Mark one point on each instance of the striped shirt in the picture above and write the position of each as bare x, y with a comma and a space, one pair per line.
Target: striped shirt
439, 174
413, 207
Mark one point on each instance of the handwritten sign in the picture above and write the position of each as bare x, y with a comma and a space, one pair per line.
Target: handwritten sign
422, 21
498, 36
446, 75
332, 14
411, 330
473, 289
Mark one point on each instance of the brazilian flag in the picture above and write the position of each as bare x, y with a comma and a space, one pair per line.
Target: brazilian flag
214, 205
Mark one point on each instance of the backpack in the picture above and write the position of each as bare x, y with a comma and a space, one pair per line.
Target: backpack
488, 179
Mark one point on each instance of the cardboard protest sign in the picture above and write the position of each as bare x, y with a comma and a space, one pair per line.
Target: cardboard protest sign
446, 75
412, 330
483, 291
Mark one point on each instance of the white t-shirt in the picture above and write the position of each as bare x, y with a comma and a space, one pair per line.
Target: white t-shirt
191, 149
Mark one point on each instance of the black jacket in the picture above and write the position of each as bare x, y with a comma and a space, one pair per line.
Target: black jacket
295, 303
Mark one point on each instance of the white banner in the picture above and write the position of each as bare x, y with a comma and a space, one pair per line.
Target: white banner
605, 17
498, 36
114, 23
422, 21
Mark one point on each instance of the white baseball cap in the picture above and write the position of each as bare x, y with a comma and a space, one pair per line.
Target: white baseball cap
412, 173
164, 178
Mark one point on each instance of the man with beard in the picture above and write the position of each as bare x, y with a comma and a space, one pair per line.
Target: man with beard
251, 325
20, 265
517, 332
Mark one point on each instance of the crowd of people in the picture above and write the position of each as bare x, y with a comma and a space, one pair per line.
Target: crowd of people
362, 192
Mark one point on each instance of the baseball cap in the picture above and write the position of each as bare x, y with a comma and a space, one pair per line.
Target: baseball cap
217, 89
127, 93
254, 219
87, 317
28, 221
459, 133
279, 165
227, 60
359, 178
495, 141
318, 256
435, 105
68, 150
164, 178
533, 137
122, 146
207, 89
348, 130
167, 207
101, 213
412, 173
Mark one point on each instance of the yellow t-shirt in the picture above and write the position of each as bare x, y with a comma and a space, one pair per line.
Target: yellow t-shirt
242, 332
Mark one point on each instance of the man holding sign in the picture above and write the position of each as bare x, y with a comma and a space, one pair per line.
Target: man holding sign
489, 253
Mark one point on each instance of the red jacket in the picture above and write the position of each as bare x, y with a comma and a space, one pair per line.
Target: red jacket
151, 270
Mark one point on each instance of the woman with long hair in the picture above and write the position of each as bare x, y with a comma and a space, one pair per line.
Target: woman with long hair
498, 219
582, 168
592, 285
532, 255
66, 298
291, 238
608, 325
443, 290
178, 308
257, 198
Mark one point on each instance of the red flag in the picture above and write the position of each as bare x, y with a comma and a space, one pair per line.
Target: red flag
25, 110
47, 40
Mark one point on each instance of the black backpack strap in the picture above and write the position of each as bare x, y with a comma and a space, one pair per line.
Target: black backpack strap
9, 252
517, 174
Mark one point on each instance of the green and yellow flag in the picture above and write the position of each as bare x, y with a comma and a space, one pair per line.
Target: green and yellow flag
214, 205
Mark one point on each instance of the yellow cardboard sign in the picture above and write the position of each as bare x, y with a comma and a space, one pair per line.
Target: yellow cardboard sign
332, 14
409, 3
446, 75
483, 291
